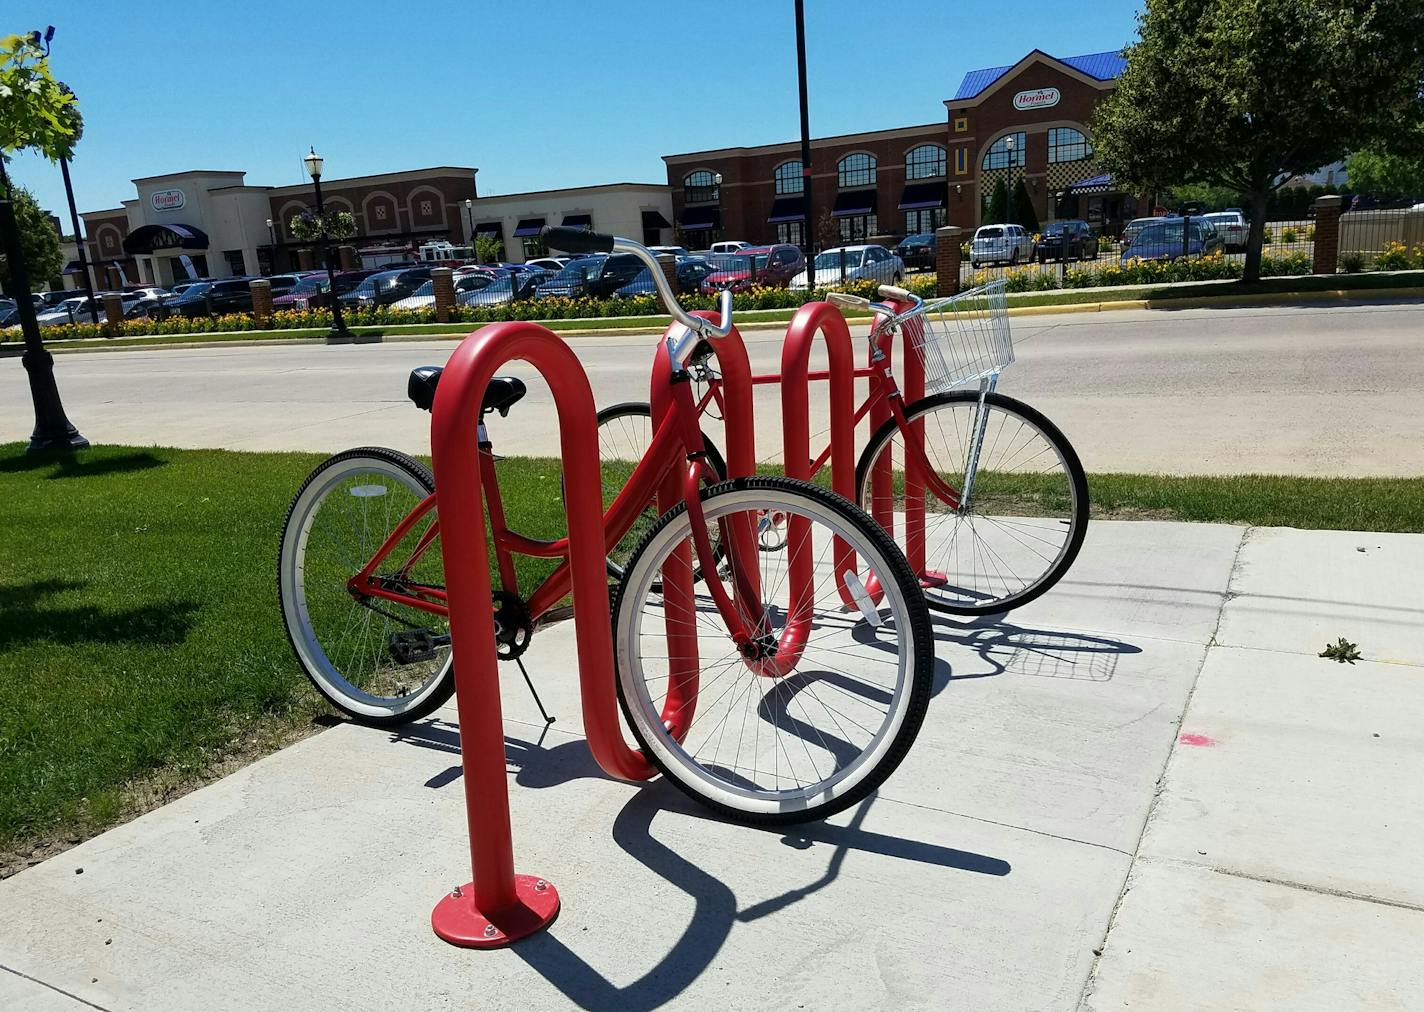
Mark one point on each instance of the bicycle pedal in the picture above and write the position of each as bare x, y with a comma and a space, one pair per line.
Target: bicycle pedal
412, 647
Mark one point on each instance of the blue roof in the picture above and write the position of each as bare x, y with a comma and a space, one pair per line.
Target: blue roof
1101, 66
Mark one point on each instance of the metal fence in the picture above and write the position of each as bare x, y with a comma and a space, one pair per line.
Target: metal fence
1382, 240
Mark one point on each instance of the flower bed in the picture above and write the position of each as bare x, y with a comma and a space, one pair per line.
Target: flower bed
1215, 267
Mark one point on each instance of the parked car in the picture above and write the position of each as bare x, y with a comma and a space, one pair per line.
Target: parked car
677, 251
572, 281
691, 269
554, 264
1136, 225
230, 295
506, 288
853, 263
179, 287
1232, 227
917, 250
467, 284
729, 246
284, 283
769, 266
385, 288
48, 300
1072, 239
1000, 244
71, 310
1162, 240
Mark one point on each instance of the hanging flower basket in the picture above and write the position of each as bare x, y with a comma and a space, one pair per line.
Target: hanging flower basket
331, 226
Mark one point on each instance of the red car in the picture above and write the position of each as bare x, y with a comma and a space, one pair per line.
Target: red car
768, 266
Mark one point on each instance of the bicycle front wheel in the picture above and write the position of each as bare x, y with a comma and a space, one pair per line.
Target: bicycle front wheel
1026, 514
825, 702
379, 661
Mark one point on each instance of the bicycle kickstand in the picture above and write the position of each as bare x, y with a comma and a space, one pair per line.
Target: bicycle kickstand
534, 692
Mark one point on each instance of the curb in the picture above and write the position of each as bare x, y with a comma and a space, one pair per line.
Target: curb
15, 349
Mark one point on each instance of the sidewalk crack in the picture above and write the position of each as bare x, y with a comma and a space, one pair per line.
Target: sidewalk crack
58, 990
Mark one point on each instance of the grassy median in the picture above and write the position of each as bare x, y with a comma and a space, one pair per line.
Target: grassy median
141, 651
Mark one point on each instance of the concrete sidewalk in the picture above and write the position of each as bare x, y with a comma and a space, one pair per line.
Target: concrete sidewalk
1278, 866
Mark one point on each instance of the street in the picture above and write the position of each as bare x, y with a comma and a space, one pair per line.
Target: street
1330, 391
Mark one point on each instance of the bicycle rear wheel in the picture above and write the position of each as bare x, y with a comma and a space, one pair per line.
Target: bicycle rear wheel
379, 661
1028, 509
831, 697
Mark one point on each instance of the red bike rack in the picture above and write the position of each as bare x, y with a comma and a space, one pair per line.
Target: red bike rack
912, 375
499, 907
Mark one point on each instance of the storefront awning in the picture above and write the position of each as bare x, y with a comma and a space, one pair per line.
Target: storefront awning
528, 227
1093, 184
655, 219
494, 228
578, 221
73, 267
787, 209
921, 195
705, 216
147, 238
854, 202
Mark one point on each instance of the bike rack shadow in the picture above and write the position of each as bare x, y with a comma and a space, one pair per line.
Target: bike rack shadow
715, 907
1007, 647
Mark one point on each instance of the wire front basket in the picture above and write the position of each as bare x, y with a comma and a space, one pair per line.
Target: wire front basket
963, 338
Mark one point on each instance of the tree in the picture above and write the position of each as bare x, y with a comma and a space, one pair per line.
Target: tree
1021, 210
487, 248
38, 242
1248, 93
1376, 171
997, 211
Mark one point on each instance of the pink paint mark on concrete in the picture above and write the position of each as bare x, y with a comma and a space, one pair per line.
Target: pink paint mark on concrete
1196, 739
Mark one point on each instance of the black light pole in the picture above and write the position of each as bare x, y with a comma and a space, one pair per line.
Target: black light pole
470, 224
53, 430
271, 248
338, 325
79, 241
810, 220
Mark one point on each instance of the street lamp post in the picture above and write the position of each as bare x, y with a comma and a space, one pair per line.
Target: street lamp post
79, 241
271, 247
470, 225
338, 325
809, 221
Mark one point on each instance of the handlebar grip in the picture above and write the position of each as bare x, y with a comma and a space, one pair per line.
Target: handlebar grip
575, 240
847, 300
898, 294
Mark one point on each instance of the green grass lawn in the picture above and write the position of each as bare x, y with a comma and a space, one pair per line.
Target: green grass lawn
141, 648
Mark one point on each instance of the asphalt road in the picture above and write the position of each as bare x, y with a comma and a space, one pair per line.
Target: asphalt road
1300, 390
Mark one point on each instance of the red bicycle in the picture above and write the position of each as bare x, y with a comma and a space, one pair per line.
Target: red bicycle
756, 669
984, 494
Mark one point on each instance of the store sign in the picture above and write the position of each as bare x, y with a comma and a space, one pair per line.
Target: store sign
1042, 98
168, 200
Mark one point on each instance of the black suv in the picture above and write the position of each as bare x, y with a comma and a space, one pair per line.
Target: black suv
1067, 240
385, 288
617, 271
917, 250
212, 298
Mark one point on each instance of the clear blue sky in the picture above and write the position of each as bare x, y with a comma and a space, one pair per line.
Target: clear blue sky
536, 95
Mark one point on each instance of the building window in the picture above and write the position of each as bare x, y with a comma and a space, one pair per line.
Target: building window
858, 227
856, 170
534, 247
924, 220
793, 232
789, 179
925, 162
1067, 145
1007, 150
961, 161
961, 124
701, 187
234, 261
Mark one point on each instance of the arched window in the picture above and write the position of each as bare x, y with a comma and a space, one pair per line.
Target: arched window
924, 162
700, 187
1068, 145
789, 179
856, 170
1007, 150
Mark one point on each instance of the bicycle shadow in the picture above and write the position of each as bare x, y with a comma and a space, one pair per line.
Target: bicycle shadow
1005, 647
716, 910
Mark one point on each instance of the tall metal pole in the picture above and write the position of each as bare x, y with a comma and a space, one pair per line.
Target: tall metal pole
338, 325
810, 221
53, 430
79, 241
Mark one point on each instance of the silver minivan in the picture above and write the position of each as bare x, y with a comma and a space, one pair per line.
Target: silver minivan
1000, 244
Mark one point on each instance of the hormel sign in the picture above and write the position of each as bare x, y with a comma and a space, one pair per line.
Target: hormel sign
168, 200
1043, 98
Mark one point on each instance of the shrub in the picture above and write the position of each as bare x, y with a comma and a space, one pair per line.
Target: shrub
1280, 264
1398, 257
1268, 236
1352, 262
1288, 236
1310, 233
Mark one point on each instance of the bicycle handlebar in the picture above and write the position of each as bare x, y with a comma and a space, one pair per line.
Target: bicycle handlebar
848, 301
579, 240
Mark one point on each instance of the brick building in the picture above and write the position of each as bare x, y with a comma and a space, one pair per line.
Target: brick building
1026, 120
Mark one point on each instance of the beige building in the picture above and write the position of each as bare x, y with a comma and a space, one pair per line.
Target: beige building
641, 211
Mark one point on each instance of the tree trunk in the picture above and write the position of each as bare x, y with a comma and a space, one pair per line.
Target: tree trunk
1257, 212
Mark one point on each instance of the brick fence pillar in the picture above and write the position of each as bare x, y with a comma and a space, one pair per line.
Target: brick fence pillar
305, 260
668, 263
261, 301
347, 257
113, 314
443, 278
947, 256
1327, 233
